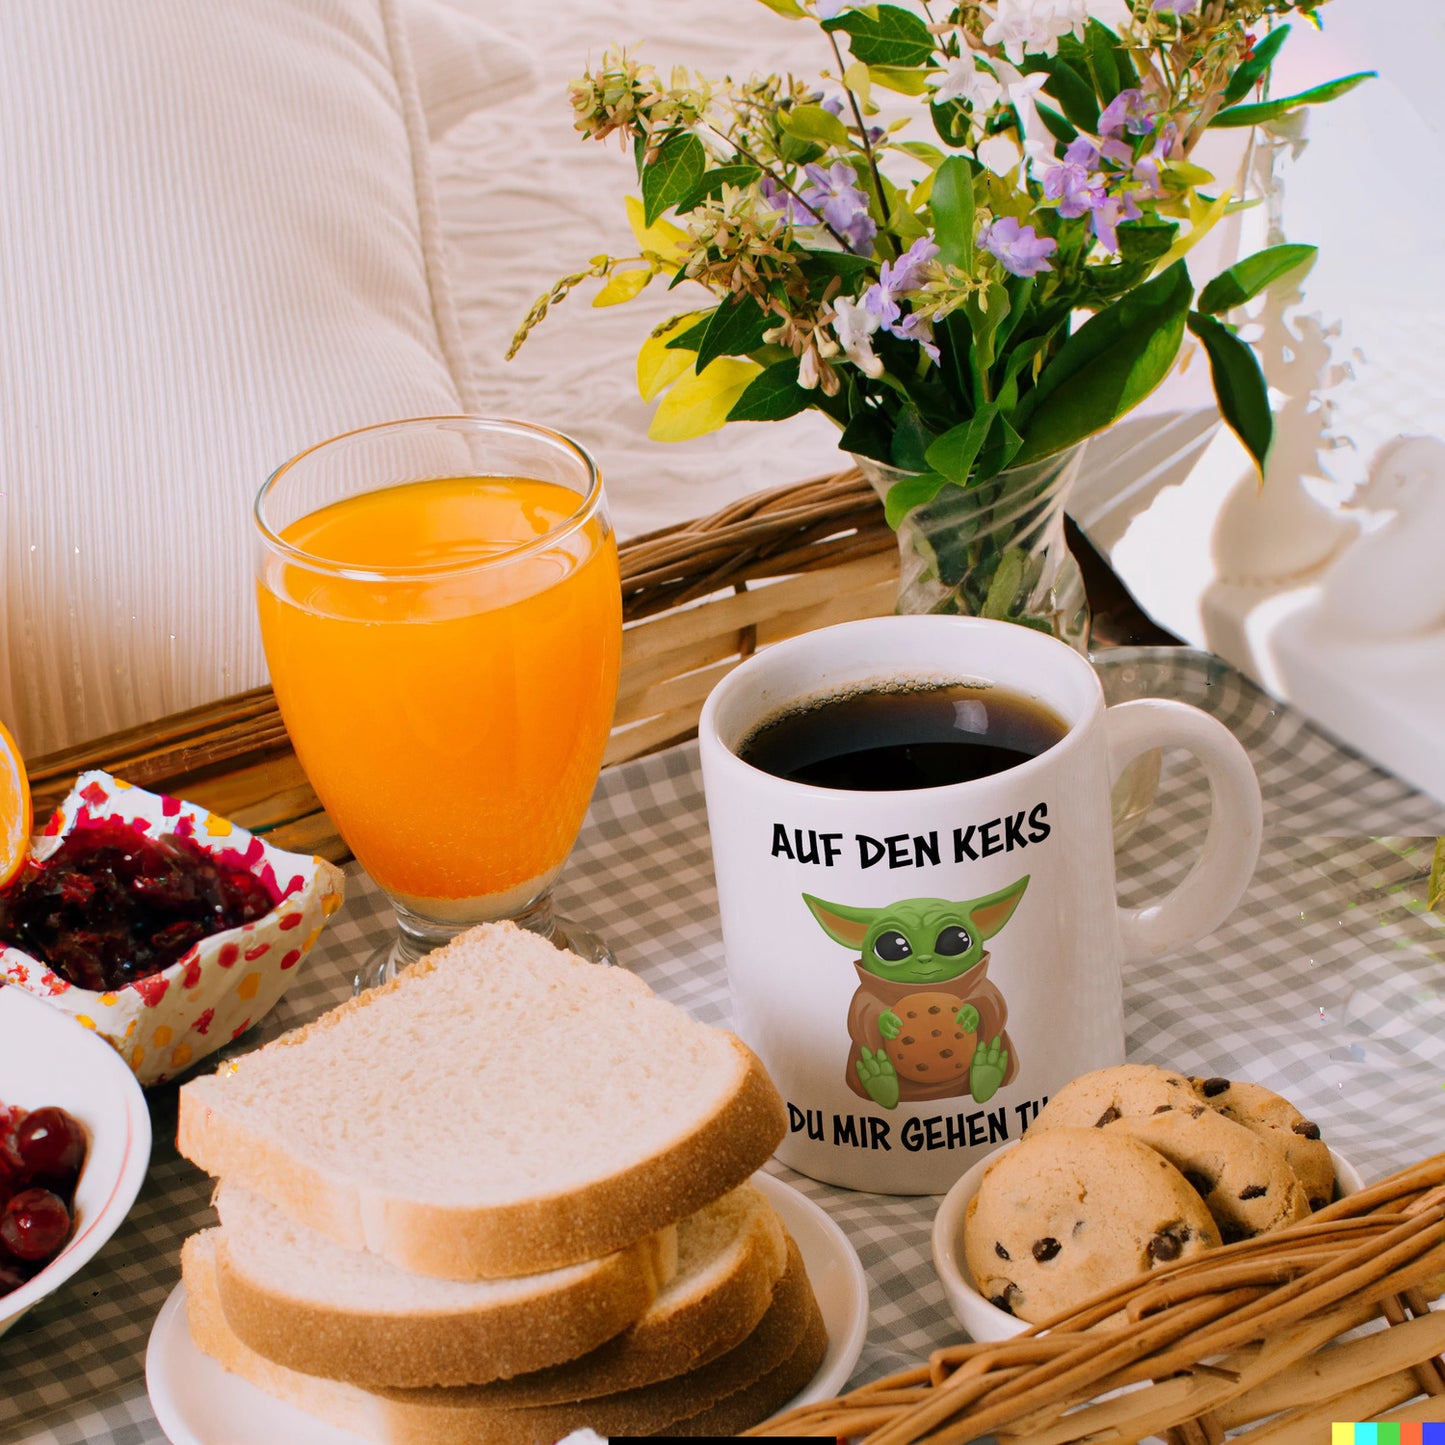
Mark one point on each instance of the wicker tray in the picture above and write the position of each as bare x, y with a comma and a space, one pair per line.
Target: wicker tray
697, 598
1270, 1335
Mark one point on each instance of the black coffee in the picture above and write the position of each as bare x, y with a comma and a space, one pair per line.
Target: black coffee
910, 735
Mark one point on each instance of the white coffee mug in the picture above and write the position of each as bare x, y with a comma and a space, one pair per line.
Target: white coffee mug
919, 970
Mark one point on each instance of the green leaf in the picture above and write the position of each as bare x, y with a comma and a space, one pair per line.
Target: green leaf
1000, 449
951, 202
921, 150
911, 440
868, 434
915, 490
813, 123
1252, 71
1239, 385
773, 395
899, 78
1238, 115
710, 183
1056, 125
1435, 895
1005, 585
885, 35
734, 329
953, 454
691, 339
672, 174
1109, 365
1145, 241
984, 322
788, 9
1073, 92
1099, 53
1247, 278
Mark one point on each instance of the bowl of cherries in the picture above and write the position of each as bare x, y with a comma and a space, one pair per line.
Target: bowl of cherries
75, 1140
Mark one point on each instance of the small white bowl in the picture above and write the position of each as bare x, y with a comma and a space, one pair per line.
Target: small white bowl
48, 1058
984, 1321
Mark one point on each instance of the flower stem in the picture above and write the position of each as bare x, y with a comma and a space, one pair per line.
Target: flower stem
863, 136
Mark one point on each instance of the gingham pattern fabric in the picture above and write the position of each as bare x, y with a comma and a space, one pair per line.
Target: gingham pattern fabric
1325, 984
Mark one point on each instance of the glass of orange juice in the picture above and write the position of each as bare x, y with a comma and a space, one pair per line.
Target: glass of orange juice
442, 617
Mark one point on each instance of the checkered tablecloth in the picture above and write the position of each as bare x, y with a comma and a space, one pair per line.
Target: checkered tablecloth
1327, 984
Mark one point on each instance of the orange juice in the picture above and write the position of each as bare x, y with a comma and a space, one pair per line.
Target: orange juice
450, 698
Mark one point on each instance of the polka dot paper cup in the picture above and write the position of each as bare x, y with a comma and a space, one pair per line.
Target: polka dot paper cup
224, 983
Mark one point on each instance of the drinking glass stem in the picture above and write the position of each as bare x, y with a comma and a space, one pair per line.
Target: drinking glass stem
416, 937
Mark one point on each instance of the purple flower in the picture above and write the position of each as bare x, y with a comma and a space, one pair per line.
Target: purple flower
1076, 188
1131, 111
834, 194
779, 198
1020, 249
917, 328
1146, 169
1082, 152
1108, 216
878, 301
897, 279
1176, 7
909, 271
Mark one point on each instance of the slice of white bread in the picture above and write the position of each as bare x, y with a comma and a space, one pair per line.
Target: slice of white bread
312, 1305
499, 1109
734, 1390
730, 1256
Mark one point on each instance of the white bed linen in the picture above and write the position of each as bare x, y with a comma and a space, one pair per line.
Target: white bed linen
524, 200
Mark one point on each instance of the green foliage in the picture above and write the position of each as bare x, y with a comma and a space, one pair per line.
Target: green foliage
1239, 385
1246, 279
1243, 115
673, 174
885, 35
773, 395
1108, 366
734, 329
956, 304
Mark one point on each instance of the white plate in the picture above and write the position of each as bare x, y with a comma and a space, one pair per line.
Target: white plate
48, 1058
199, 1403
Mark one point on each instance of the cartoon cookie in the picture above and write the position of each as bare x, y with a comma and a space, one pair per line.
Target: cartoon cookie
925, 1022
931, 1046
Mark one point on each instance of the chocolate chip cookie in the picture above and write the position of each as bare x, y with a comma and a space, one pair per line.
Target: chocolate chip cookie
1068, 1212
1278, 1122
1100, 1097
1245, 1183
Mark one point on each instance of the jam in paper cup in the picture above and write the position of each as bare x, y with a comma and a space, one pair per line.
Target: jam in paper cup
176, 992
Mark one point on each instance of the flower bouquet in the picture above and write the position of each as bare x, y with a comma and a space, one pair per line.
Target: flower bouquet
966, 245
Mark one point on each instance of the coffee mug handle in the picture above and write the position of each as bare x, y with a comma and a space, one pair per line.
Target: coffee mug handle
1221, 873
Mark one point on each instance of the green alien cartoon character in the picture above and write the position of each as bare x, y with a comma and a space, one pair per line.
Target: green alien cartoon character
925, 1022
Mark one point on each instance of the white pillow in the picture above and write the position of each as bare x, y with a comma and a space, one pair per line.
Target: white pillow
460, 64
218, 245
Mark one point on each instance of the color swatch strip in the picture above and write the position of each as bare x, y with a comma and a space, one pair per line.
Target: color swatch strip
1383, 1433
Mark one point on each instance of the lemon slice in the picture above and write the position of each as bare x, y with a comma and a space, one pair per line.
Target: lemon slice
15, 813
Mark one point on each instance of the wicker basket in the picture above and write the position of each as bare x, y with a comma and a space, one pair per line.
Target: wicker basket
697, 598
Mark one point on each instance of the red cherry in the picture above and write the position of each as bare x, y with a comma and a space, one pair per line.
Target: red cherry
12, 1276
34, 1225
51, 1144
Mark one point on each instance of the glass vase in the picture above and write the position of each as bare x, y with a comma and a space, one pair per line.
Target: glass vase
994, 548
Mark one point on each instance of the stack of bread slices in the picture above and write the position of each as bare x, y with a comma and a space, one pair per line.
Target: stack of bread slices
504, 1197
